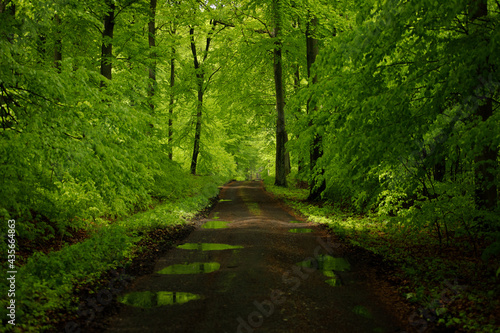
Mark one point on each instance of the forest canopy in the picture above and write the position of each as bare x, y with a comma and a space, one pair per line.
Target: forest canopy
382, 108
379, 106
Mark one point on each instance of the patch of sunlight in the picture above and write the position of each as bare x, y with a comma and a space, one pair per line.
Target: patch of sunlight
300, 230
215, 225
253, 207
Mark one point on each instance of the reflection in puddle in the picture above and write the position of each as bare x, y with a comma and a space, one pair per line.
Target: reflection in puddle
325, 262
362, 311
328, 264
215, 225
334, 282
150, 299
208, 246
192, 268
224, 200
297, 222
300, 230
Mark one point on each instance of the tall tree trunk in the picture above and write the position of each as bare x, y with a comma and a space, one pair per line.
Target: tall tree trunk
152, 55
317, 182
296, 85
485, 166
197, 133
58, 44
288, 164
486, 162
281, 136
200, 81
171, 104
107, 42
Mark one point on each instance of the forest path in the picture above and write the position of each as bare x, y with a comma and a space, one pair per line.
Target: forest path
259, 287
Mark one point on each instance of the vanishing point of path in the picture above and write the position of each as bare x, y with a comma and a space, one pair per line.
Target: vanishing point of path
264, 279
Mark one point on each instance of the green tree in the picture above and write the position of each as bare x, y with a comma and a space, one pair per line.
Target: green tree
281, 135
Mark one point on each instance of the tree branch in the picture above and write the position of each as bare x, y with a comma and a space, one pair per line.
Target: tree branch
193, 48
210, 78
209, 39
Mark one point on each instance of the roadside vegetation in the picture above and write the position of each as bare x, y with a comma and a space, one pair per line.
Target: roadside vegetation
49, 281
453, 281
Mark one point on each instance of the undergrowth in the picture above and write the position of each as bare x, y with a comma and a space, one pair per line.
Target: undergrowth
45, 283
448, 280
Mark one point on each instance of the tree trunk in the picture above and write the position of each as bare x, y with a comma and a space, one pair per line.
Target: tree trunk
485, 166
197, 133
152, 48
171, 104
281, 136
296, 85
317, 182
107, 42
288, 165
486, 162
200, 80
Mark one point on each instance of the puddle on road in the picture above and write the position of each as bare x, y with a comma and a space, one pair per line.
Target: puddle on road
191, 268
297, 222
300, 230
208, 246
334, 282
150, 299
327, 265
215, 225
362, 311
225, 200
325, 262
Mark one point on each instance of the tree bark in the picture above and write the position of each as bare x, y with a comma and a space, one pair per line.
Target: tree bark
197, 133
485, 166
317, 182
281, 137
296, 85
200, 80
171, 104
107, 42
486, 162
152, 56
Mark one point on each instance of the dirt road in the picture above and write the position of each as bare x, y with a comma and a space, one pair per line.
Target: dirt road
260, 278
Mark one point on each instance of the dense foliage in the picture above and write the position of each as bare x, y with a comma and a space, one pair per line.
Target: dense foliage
387, 107
48, 283
406, 103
